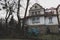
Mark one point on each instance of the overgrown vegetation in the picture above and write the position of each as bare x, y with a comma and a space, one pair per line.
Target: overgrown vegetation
12, 28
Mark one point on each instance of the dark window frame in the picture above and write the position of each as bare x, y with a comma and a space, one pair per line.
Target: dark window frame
35, 6
36, 20
50, 19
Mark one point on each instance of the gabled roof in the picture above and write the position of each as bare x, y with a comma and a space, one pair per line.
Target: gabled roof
37, 5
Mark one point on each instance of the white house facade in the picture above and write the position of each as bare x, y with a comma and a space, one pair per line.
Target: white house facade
42, 19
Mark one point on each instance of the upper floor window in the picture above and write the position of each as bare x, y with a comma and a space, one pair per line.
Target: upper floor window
33, 13
50, 19
38, 12
35, 20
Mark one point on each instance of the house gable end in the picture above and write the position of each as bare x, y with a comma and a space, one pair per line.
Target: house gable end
36, 6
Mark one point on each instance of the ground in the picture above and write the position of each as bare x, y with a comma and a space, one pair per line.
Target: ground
42, 37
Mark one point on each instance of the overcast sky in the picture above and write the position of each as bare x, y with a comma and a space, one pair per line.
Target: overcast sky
43, 3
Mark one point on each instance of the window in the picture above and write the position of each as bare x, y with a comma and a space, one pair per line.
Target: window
35, 6
35, 20
35, 13
50, 19
32, 13
38, 12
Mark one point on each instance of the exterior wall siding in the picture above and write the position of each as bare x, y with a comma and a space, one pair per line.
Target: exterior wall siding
43, 21
54, 21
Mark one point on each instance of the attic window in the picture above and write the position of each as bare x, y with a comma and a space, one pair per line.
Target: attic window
35, 6
38, 12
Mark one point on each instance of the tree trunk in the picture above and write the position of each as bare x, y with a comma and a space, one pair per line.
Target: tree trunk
25, 14
58, 18
6, 16
18, 27
25, 17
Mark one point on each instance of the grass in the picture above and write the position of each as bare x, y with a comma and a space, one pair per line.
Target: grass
50, 37
43, 37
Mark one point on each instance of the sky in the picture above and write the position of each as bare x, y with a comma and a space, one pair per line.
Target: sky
43, 3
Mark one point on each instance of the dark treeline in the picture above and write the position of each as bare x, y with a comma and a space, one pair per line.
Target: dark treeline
11, 31
12, 28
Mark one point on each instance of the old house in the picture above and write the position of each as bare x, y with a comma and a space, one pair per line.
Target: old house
42, 20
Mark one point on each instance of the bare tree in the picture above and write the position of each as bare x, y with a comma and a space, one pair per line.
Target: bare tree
25, 13
25, 16
9, 8
9, 11
18, 9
